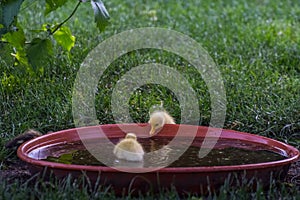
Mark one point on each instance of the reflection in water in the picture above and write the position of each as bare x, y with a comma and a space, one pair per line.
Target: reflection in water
159, 152
130, 164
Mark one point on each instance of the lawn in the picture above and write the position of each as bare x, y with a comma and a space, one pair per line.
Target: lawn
255, 45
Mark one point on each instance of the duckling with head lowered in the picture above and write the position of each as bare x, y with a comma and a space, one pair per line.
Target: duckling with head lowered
158, 119
129, 148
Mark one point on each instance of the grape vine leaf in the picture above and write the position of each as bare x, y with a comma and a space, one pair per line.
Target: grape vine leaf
101, 14
38, 51
64, 38
52, 5
9, 9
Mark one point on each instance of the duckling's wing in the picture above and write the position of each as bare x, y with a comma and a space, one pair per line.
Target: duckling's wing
169, 118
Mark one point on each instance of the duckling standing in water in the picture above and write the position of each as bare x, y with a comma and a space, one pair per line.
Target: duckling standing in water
158, 119
129, 148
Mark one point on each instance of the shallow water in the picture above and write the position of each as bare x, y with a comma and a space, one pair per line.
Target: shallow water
225, 153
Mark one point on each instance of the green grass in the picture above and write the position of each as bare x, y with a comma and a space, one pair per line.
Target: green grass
255, 45
68, 188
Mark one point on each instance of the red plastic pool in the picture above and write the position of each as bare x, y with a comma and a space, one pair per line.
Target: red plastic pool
184, 179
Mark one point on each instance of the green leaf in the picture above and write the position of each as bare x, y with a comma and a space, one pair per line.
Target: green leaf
64, 38
38, 51
101, 14
66, 158
52, 5
9, 9
21, 57
15, 38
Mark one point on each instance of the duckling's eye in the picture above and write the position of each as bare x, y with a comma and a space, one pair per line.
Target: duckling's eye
156, 124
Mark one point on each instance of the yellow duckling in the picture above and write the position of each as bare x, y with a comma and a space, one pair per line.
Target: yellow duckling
158, 119
129, 148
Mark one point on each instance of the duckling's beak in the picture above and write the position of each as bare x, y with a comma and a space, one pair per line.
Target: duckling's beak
152, 131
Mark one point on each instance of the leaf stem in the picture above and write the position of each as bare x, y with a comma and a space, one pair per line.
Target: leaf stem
70, 16
4, 42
